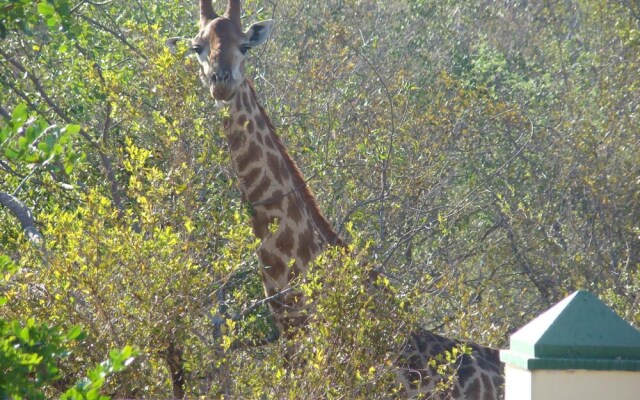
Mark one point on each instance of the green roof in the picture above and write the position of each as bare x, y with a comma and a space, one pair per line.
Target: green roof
580, 332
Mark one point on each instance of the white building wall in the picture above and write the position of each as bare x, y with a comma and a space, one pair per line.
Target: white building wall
571, 385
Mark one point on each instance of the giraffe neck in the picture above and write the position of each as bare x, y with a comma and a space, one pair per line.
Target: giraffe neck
285, 216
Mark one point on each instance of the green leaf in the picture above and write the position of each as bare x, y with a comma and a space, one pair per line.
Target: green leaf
6, 265
20, 114
75, 333
23, 334
72, 129
23, 142
32, 158
53, 21
57, 149
4, 134
68, 169
16, 327
43, 147
50, 140
46, 9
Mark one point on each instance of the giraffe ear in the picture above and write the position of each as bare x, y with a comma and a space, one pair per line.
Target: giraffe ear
259, 32
172, 44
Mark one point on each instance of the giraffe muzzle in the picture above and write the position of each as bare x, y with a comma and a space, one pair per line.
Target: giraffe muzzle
222, 76
222, 85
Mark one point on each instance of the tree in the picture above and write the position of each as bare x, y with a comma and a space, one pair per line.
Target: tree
482, 155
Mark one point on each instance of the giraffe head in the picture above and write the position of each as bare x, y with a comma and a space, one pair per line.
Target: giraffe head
221, 47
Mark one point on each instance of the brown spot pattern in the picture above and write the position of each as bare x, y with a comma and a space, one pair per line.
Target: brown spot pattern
293, 210
488, 387
276, 201
273, 162
268, 141
260, 190
252, 154
274, 267
260, 222
247, 103
285, 171
260, 122
236, 140
465, 373
259, 138
285, 240
473, 391
304, 245
242, 120
249, 179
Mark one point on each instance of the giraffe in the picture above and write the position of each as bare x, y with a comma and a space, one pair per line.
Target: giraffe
286, 218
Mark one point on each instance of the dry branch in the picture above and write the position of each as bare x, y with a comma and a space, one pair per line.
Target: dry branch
23, 214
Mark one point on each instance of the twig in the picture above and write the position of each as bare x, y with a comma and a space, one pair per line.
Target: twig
82, 2
18, 92
7, 168
259, 303
355, 208
384, 179
5, 114
23, 214
38, 84
117, 35
106, 161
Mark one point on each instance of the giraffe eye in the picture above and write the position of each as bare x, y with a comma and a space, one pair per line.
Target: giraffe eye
196, 48
244, 49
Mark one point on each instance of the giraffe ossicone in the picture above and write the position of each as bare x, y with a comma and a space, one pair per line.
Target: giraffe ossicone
285, 216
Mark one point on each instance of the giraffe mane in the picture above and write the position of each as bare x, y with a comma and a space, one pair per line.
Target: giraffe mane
307, 196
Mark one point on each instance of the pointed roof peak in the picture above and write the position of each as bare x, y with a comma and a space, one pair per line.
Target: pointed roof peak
580, 327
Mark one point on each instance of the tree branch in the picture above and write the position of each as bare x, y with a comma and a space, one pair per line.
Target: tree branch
117, 35
5, 114
384, 178
38, 85
23, 214
106, 161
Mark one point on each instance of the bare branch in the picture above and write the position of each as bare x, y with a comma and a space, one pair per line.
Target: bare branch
261, 302
384, 178
106, 161
108, 109
7, 168
38, 84
82, 2
18, 92
117, 35
23, 214
175, 360
355, 208
5, 114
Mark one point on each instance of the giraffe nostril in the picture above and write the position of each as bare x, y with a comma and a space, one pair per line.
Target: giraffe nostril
222, 76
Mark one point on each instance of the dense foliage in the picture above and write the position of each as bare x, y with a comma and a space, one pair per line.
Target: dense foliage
483, 154
30, 352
